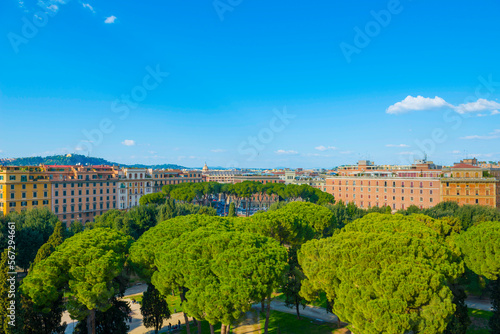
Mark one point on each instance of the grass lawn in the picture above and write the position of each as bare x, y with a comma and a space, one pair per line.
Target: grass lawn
320, 302
174, 302
289, 324
479, 320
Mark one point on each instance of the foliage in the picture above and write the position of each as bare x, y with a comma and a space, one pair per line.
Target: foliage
481, 247
75, 159
33, 229
386, 274
469, 215
232, 210
319, 218
154, 198
143, 251
154, 309
87, 264
293, 283
133, 222
286, 227
112, 321
222, 271
460, 320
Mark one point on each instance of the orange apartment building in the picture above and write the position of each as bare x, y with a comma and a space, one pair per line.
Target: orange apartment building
397, 193
79, 193
469, 184
161, 177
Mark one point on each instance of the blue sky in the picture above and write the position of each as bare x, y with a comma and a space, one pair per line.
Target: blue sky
250, 83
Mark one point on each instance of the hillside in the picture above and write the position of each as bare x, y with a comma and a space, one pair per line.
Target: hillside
74, 159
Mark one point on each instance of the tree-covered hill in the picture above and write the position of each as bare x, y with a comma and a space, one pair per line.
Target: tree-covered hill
74, 159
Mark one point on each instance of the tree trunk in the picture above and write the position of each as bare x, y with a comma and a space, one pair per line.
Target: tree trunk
91, 322
228, 329
297, 305
268, 313
183, 299
198, 323
223, 329
262, 305
212, 330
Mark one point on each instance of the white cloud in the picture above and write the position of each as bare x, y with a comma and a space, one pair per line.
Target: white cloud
218, 150
411, 103
479, 105
152, 152
397, 145
289, 152
128, 142
86, 5
456, 152
110, 19
325, 148
492, 135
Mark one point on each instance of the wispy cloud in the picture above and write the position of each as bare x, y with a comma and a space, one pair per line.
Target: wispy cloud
397, 145
419, 103
128, 142
110, 19
325, 148
492, 135
86, 5
284, 152
218, 150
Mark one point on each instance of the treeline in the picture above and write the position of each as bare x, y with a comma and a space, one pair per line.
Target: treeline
202, 193
467, 214
75, 159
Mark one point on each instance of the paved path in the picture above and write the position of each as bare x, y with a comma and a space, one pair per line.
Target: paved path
313, 312
249, 324
479, 304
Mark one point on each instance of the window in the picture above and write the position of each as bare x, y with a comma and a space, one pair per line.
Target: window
34, 186
35, 203
35, 194
12, 177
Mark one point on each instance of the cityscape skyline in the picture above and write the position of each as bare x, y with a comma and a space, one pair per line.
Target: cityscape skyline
353, 82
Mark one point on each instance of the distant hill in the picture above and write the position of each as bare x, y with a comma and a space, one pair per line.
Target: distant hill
75, 159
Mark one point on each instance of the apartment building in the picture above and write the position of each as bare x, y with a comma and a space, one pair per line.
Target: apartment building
138, 183
79, 193
378, 191
469, 184
161, 177
23, 188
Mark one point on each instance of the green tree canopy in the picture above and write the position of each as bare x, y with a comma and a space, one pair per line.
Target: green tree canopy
87, 264
385, 274
154, 198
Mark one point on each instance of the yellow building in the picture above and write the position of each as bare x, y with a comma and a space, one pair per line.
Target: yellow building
468, 184
23, 188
